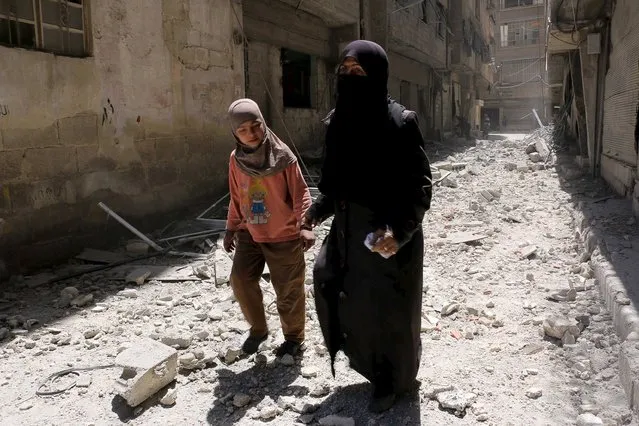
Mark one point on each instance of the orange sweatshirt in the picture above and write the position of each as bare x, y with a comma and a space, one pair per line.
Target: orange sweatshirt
269, 208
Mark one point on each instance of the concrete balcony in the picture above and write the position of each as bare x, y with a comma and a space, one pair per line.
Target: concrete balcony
335, 13
410, 36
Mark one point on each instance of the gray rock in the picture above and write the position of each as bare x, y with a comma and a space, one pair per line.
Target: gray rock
309, 372
456, 400
241, 400
169, 398
534, 393
558, 326
433, 390
4, 333
450, 309
588, 419
176, 338
535, 157
91, 333
129, 293
320, 390
287, 360
84, 381
231, 355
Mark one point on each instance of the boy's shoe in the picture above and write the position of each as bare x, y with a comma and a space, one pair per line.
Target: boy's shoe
289, 348
252, 344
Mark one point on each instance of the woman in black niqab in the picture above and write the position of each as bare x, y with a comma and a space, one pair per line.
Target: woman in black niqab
375, 179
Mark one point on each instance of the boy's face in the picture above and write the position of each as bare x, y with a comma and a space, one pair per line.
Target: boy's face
250, 133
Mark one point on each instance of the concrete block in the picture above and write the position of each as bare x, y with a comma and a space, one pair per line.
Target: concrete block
45, 163
30, 138
148, 366
10, 165
162, 174
89, 160
78, 130
629, 371
623, 319
50, 192
169, 149
146, 151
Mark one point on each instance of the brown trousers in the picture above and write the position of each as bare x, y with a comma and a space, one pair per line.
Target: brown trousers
287, 266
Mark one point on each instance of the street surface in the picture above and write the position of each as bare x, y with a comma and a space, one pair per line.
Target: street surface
502, 265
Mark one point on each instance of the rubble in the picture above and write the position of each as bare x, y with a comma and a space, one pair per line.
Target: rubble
170, 398
148, 366
504, 311
561, 327
456, 401
534, 393
589, 419
241, 400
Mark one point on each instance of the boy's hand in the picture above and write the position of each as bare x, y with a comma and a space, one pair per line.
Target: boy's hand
229, 241
308, 239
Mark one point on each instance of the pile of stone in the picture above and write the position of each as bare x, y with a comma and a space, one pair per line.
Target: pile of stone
537, 145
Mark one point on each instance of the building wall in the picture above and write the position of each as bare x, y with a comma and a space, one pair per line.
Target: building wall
418, 56
140, 124
472, 76
271, 26
619, 152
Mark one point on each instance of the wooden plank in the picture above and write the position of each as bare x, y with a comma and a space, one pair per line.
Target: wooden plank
465, 237
157, 272
101, 256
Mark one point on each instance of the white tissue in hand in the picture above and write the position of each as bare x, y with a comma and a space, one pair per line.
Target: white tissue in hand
370, 242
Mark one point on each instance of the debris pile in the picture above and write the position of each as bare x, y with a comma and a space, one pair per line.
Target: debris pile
538, 144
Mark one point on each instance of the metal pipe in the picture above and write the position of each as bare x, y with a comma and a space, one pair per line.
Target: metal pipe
214, 205
130, 227
193, 234
537, 117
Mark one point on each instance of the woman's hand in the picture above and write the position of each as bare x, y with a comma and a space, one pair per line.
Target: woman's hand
229, 241
385, 243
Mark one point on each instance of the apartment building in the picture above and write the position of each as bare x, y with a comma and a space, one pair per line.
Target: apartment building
521, 81
472, 64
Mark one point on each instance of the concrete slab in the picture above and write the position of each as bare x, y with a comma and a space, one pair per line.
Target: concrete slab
147, 366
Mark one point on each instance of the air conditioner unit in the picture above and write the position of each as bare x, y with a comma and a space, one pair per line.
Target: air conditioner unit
594, 44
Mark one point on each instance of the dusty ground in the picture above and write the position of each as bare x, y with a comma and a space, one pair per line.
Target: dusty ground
485, 351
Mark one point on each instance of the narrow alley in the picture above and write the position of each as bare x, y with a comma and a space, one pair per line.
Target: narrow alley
514, 331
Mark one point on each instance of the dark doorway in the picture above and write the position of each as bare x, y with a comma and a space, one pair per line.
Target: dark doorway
493, 115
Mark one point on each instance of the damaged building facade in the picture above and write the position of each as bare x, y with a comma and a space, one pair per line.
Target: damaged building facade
121, 102
125, 103
471, 75
594, 50
521, 81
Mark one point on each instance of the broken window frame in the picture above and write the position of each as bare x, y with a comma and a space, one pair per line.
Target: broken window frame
302, 79
510, 4
441, 21
520, 33
520, 70
70, 24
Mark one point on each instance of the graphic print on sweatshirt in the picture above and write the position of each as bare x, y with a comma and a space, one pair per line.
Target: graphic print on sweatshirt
255, 203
